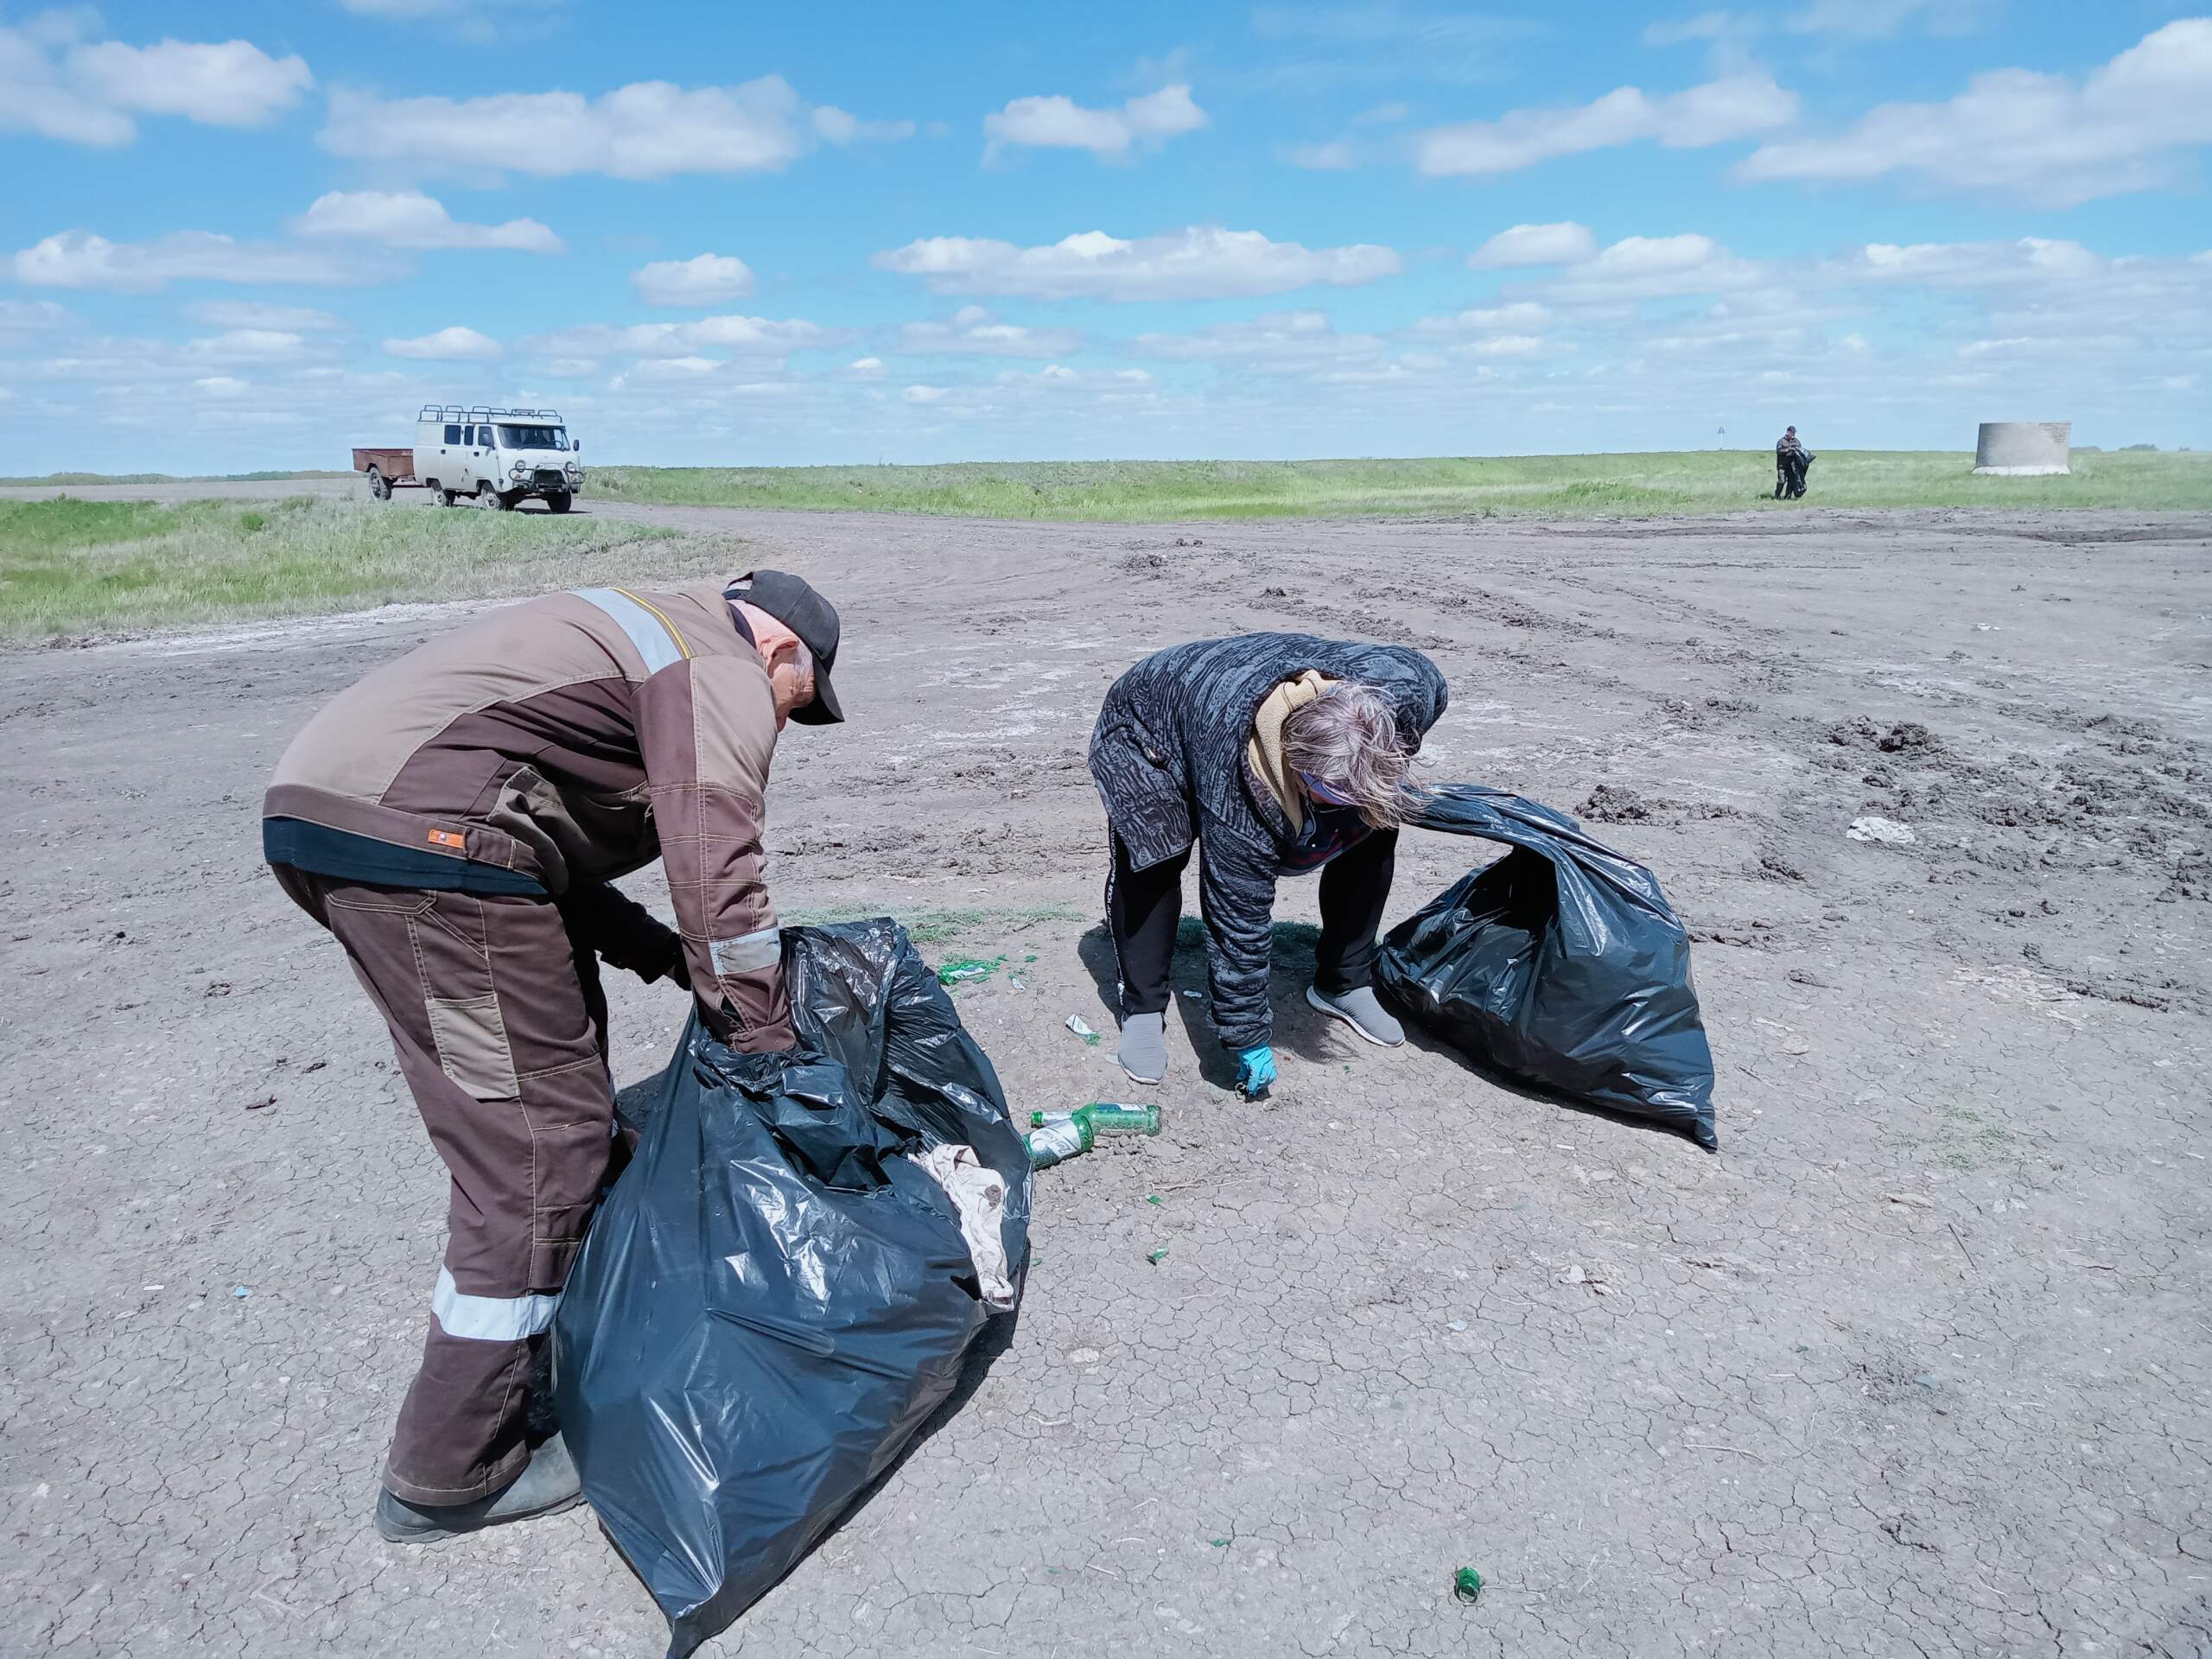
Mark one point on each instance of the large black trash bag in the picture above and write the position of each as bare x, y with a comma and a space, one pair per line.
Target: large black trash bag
772, 1300
1561, 963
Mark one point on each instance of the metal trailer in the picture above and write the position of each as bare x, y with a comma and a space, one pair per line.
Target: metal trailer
388, 470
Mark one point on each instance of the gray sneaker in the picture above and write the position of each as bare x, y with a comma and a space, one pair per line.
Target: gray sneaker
1143, 1052
1361, 1011
547, 1484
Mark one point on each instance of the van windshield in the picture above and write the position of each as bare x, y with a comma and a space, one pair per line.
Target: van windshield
533, 437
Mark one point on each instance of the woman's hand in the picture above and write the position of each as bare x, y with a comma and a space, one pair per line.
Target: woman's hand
1256, 1070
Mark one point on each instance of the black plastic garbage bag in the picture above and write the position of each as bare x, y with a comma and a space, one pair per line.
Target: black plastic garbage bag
776, 1294
1561, 963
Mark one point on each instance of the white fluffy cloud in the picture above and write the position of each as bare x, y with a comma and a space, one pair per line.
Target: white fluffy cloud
24, 320
256, 314
1057, 122
235, 83
1655, 267
2042, 298
80, 260
54, 83
749, 337
2035, 135
836, 127
1521, 316
1490, 333
1283, 342
709, 279
649, 129
1736, 106
1563, 243
1337, 155
454, 344
408, 219
247, 345
2031, 260
1862, 20
1199, 262
974, 331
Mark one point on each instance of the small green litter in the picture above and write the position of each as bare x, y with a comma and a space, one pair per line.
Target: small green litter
1467, 1585
1152, 1198
1219, 1543
966, 970
1155, 1257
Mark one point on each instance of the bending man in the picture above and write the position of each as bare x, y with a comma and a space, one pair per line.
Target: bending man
1791, 462
453, 820
1276, 754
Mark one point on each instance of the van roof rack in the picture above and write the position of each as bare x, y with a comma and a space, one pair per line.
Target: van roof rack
480, 412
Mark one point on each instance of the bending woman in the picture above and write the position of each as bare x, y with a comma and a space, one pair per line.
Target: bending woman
1275, 754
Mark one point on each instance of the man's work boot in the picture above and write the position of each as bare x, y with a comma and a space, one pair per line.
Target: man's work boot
1143, 1052
1359, 1010
547, 1484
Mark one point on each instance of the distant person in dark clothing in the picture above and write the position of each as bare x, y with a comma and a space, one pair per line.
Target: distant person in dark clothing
1272, 754
1791, 459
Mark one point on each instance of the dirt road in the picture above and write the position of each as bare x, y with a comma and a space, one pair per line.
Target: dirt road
1917, 1365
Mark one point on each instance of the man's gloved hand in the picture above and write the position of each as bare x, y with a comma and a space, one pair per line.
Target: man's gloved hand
673, 967
1256, 1070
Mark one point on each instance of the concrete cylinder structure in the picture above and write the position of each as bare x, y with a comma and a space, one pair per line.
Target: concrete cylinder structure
2023, 448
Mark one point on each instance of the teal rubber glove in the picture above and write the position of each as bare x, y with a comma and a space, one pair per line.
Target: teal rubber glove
1256, 1070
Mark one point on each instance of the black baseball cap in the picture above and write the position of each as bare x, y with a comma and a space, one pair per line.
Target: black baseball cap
795, 604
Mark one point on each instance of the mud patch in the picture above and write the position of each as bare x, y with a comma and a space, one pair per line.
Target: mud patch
1617, 804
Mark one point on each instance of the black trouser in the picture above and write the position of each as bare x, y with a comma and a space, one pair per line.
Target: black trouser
1144, 907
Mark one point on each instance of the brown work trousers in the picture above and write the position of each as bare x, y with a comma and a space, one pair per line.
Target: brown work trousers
494, 1004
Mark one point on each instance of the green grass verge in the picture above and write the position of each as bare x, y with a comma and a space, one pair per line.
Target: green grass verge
55, 478
1565, 486
71, 567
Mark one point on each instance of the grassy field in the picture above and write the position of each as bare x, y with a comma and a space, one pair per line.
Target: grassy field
1573, 486
70, 568
51, 478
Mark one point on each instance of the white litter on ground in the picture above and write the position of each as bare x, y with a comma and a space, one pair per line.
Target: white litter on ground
1888, 831
979, 1196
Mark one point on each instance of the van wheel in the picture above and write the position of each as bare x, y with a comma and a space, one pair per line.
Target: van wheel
496, 500
379, 486
558, 501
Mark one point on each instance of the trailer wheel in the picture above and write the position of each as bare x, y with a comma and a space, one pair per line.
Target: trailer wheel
379, 486
558, 501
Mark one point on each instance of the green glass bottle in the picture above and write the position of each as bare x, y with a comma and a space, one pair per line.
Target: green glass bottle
1110, 1117
1057, 1142
1105, 1117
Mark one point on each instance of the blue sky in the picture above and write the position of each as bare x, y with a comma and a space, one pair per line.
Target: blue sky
246, 236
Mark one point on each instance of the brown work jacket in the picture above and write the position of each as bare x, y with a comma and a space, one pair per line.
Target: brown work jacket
568, 740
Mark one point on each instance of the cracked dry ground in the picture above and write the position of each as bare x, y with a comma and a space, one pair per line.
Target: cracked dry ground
1917, 1365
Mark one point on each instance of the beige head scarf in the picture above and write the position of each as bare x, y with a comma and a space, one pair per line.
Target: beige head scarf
1264, 751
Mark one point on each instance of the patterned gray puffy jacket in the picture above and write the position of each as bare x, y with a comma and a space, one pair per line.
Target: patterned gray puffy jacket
1169, 755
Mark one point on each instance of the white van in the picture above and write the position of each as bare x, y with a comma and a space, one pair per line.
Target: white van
497, 455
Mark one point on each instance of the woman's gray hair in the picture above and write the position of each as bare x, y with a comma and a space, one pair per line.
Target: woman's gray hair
1348, 738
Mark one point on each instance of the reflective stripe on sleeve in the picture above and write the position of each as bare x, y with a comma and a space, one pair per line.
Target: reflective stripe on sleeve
748, 954
489, 1319
654, 636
